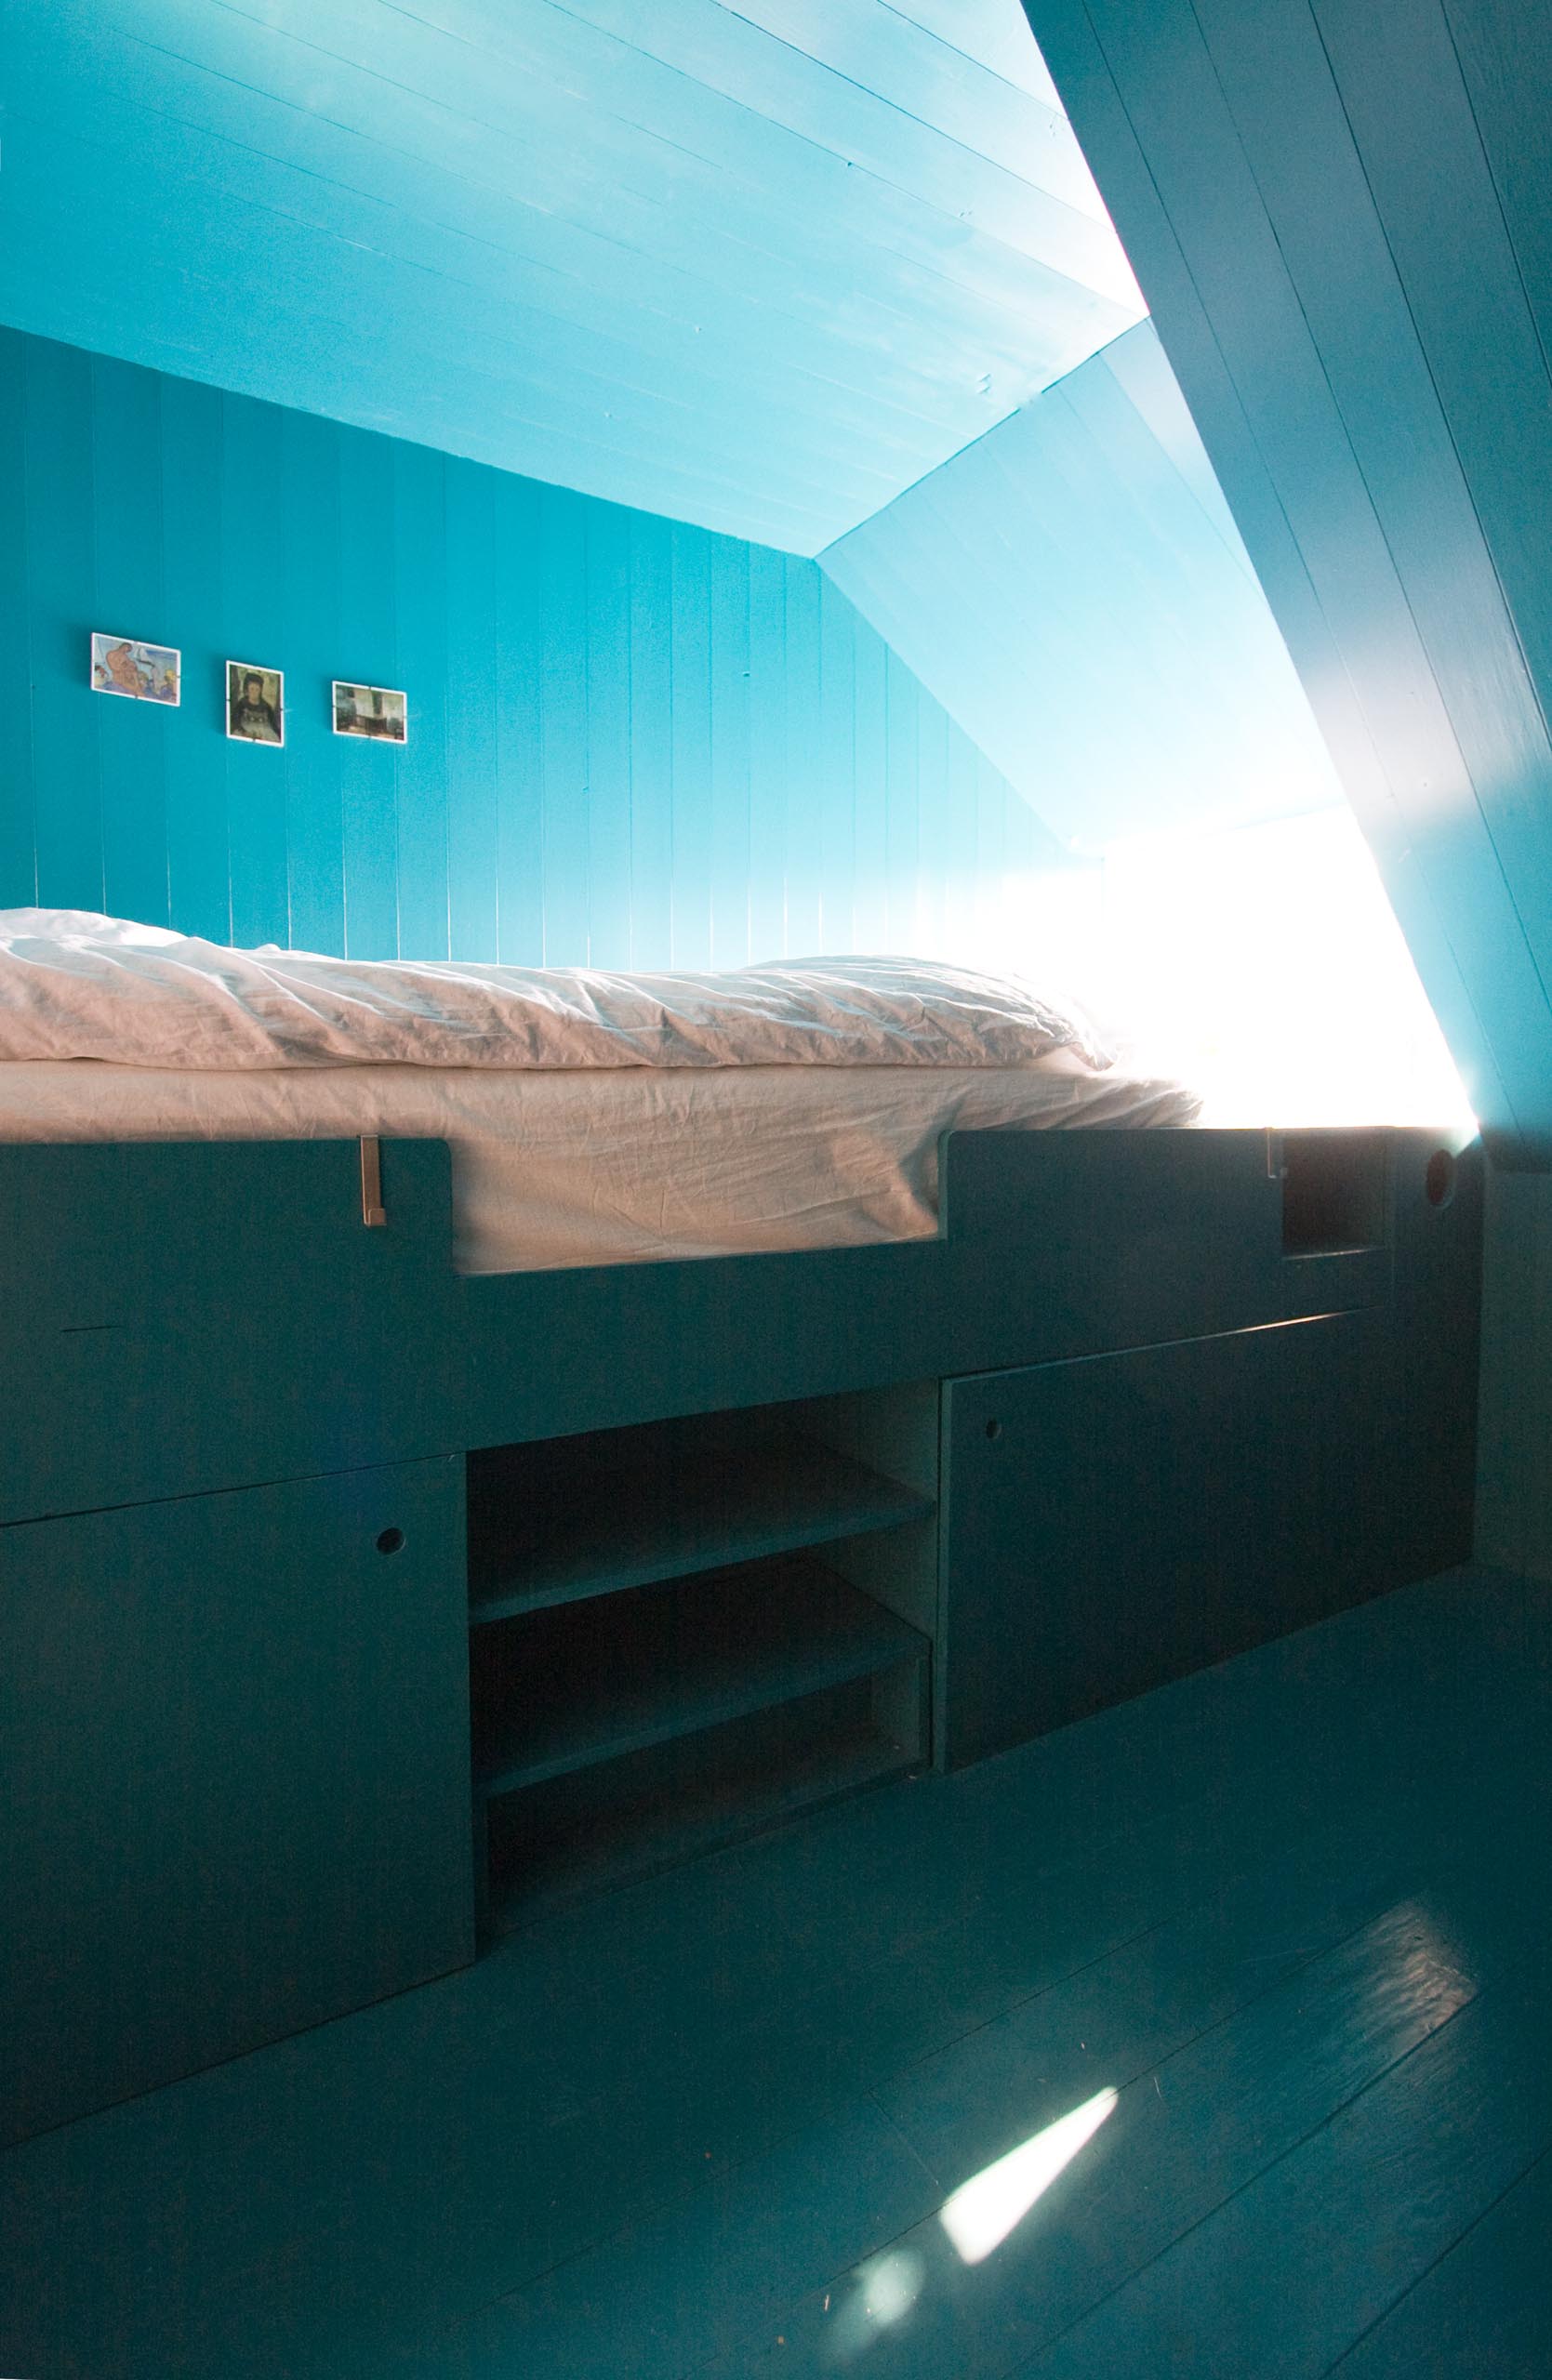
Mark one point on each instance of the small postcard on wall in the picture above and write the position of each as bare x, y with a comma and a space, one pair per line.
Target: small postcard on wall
147, 673
255, 703
377, 711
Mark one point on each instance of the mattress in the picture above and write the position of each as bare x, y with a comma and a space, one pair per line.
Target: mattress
594, 1118
617, 1166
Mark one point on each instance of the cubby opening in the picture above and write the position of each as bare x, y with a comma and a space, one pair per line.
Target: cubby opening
621, 1820
569, 1518
1333, 1191
683, 1631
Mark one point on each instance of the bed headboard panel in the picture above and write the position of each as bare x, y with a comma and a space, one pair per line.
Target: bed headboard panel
181, 1316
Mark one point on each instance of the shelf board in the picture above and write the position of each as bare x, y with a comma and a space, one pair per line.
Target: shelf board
567, 1857
561, 1534
591, 1682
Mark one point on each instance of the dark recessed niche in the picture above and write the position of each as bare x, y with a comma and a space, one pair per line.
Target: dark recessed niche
1439, 1181
1334, 1188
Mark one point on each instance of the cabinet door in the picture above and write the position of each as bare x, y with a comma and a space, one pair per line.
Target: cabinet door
1116, 1521
235, 1761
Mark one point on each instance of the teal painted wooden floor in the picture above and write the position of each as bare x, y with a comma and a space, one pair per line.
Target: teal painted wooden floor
1295, 1912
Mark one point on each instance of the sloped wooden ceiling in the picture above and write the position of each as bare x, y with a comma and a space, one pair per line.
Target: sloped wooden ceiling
759, 266
1074, 591
1339, 214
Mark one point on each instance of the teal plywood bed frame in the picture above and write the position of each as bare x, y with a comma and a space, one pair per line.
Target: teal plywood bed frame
286, 1504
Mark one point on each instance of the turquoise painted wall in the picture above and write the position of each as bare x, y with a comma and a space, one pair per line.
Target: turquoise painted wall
1072, 587
631, 742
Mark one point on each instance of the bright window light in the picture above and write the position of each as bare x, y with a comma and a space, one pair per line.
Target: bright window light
1266, 966
983, 2211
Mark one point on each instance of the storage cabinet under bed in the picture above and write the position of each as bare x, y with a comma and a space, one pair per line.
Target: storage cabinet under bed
683, 1631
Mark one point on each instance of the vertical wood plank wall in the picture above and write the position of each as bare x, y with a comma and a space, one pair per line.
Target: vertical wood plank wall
631, 742
1514, 1440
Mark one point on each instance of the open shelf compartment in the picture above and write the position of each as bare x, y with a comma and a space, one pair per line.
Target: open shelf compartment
586, 1682
598, 1828
572, 1518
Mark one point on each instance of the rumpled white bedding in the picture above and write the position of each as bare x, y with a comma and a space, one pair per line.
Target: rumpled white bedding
593, 1118
74, 985
623, 1165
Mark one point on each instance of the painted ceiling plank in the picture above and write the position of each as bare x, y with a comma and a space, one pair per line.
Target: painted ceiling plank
1148, 107
732, 57
760, 282
562, 329
476, 419
760, 266
678, 259
604, 289
582, 369
355, 299
880, 366
931, 588
896, 64
996, 37
809, 183
1196, 589
564, 125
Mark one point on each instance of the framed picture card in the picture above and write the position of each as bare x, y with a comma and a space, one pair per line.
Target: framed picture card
146, 673
379, 712
255, 703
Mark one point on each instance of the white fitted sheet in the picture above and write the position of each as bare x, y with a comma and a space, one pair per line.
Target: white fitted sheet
622, 1165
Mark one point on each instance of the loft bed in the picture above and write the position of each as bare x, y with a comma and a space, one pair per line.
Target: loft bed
304, 1523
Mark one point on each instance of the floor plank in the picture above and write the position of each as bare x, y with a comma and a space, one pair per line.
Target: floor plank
1484, 2310
649, 2136
1360, 2210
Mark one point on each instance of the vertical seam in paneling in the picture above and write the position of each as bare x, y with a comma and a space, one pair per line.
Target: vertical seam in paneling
631, 838
27, 599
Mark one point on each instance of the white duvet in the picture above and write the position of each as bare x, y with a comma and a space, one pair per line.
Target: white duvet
593, 1118
74, 985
